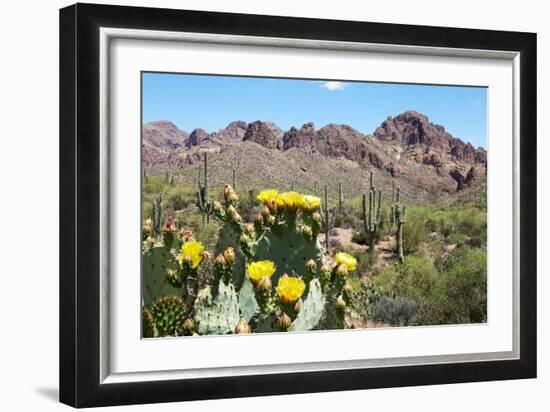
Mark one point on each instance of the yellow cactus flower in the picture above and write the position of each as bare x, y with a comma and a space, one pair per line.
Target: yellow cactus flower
268, 195
347, 260
290, 289
310, 203
192, 251
291, 201
258, 270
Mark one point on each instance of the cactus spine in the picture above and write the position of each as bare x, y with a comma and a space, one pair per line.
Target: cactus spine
371, 213
204, 203
327, 216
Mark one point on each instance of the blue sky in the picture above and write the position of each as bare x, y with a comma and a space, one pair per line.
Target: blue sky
211, 102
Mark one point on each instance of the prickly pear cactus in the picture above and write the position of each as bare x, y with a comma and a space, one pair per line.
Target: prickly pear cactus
311, 310
217, 310
156, 262
168, 313
289, 249
247, 300
227, 237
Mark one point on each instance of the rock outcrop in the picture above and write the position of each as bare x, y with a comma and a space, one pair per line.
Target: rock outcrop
407, 147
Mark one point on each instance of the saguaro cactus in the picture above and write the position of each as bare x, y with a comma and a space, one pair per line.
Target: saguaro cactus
203, 201
327, 216
157, 216
169, 177
392, 216
400, 221
395, 196
340, 198
371, 213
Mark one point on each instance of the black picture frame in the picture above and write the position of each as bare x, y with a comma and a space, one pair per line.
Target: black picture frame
80, 384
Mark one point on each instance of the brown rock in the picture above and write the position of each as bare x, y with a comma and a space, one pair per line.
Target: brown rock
266, 134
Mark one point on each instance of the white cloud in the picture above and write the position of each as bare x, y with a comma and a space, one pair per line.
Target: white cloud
333, 86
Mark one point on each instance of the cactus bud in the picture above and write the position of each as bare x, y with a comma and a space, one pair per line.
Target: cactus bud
242, 327
229, 255
220, 260
169, 226
342, 270
259, 219
148, 225
308, 233
316, 217
326, 268
298, 305
271, 220
264, 211
272, 206
265, 284
188, 326
229, 194
284, 321
236, 218
187, 260
340, 302
206, 255
244, 239
311, 265
216, 206
347, 287
231, 211
248, 228
186, 234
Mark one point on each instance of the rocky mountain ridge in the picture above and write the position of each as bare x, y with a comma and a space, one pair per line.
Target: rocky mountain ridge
407, 148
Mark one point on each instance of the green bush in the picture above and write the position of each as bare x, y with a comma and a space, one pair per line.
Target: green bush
415, 230
454, 290
465, 277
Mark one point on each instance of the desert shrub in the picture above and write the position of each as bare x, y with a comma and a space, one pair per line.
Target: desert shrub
416, 280
465, 277
394, 311
179, 197
359, 237
414, 231
146, 210
347, 220
364, 298
154, 184
457, 239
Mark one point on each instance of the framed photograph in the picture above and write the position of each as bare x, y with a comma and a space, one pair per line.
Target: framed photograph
258, 205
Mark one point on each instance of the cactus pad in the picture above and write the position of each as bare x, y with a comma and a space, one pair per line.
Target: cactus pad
247, 300
217, 311
155, 263
311, 310
227, 237
289, 250
168, 313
